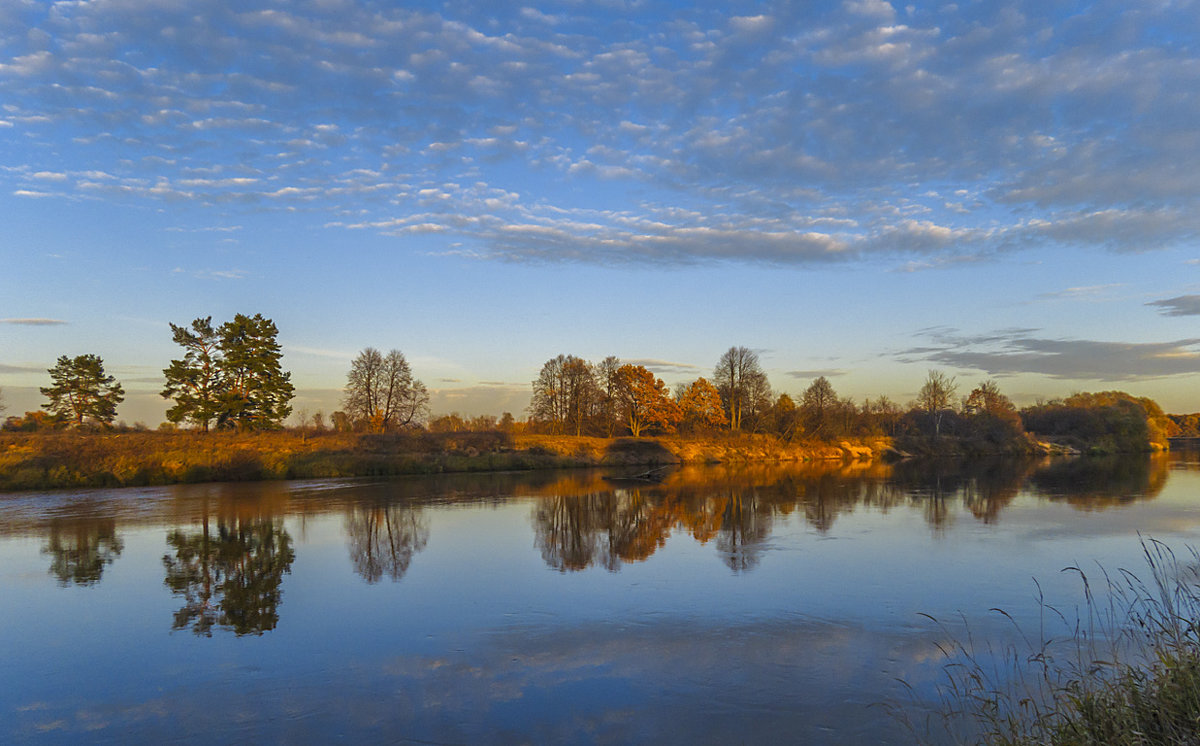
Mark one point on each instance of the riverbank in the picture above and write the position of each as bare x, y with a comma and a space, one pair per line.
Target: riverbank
71, 459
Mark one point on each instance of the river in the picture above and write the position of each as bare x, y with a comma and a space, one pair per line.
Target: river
722, 605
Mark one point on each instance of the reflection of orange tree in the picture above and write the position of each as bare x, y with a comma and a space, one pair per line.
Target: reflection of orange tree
609, 528
230, 577
581, 523
606, 528
80, 549
384, 538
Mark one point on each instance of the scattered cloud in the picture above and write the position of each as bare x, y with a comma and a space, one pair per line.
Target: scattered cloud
1014, 352
1089, 292
817, 373
1180, 305
488, 398
317, 351
705, 137
663, 366
213, 274
33, 322
6, 368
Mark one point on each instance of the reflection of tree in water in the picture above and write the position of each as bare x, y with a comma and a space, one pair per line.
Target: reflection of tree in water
80, 549
1098, 482
615, 527
984, 486
230, 577
745, 526
604, 528
384, 538
737, 508
826, 496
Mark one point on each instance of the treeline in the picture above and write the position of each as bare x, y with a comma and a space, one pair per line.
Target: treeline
576, 397
573, 396
230, 377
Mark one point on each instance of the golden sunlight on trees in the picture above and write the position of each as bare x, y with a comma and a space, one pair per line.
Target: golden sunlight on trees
565, 395
382, 394
783, 419
700, 408
991, 415
257, 391
1102, 422
745, 392
231, 374
646, 403
81, 392
818, 408
608, 415
194, 382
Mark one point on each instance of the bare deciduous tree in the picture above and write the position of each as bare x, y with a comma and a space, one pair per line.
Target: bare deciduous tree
743, 385
381, 392
936, 397
565, 394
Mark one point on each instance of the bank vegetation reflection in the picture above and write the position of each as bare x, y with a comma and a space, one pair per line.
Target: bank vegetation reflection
227, 557
585, 522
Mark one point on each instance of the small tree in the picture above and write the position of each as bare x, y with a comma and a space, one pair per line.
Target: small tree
195, 382
818, 408
82, 391
700, 406
785, 418
937, 397
991, 414
608, 383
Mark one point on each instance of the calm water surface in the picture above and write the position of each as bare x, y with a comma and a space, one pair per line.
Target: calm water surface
723, 605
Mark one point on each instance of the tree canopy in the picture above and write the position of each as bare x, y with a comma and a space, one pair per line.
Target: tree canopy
81, 392
231, 374
194, 381
646, 403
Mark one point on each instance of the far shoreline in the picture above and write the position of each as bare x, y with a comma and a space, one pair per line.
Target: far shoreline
73, 459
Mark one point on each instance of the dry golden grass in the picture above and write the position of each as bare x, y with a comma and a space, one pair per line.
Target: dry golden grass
46, 460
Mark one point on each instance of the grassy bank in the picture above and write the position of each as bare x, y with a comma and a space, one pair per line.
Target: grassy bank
73, 459
1124, 672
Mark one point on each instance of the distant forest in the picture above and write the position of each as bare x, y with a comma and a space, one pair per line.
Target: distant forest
230, 377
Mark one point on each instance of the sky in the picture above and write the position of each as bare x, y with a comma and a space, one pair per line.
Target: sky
860, 190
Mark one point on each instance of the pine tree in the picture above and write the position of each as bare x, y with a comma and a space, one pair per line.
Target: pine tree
195, 382
256, 391
82, 391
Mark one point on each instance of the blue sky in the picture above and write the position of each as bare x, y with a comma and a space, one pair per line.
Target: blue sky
855, 189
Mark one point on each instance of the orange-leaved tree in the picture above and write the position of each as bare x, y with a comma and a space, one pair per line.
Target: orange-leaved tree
701, 407
645, 402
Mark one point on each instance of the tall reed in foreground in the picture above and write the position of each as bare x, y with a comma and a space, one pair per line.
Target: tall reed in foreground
1123, 669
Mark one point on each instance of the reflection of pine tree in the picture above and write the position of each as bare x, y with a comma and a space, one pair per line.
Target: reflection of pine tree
232, 578
384, 539
80, 550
